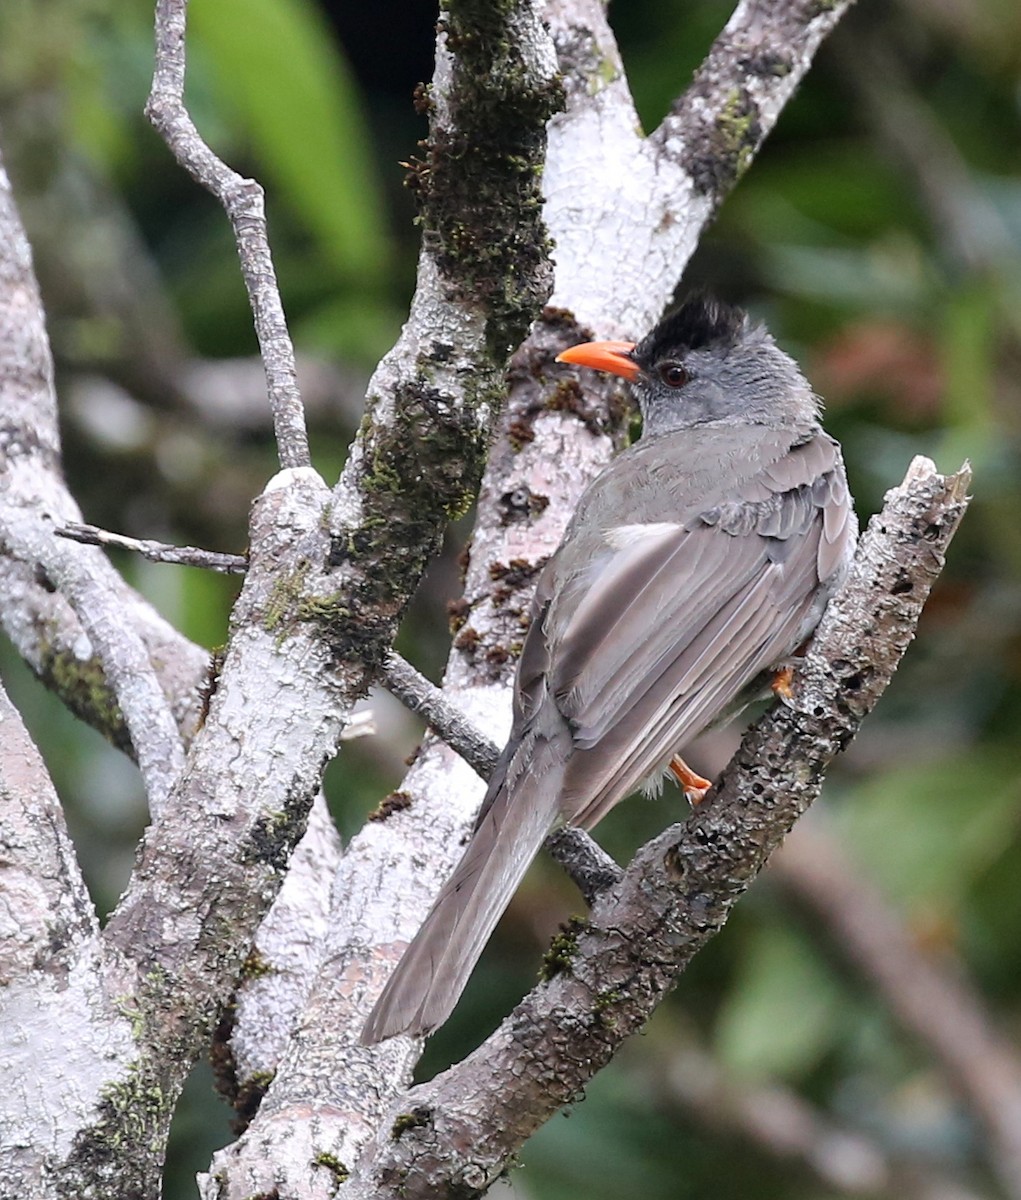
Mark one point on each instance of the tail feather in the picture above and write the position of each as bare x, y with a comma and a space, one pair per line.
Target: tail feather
434, 971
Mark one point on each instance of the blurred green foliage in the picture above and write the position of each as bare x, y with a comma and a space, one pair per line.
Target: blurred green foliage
879, 234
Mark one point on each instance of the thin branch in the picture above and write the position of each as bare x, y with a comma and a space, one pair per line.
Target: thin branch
716, 128
427, 701
681, 887
160, 552
591, 868
243, 202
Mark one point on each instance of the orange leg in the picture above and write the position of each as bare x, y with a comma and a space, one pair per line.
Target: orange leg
781, 685
695, 787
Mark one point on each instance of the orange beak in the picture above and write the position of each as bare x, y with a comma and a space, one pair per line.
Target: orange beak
603, 356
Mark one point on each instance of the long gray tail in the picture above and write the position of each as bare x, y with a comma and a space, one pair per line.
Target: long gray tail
518, 813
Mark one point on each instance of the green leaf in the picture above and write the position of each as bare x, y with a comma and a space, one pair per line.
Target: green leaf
278, 65
783, 1010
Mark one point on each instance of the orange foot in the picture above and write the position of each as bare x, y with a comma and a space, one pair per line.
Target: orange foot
695, 787
781, 685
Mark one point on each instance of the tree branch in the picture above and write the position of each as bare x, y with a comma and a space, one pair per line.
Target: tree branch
626, 220
591, 868
243, 202
429, 702
278, 974
84, 579
431, 408
34, 611
51, 971
680, 888
184, 556
42, 884
33, 496
714, 131
211, 864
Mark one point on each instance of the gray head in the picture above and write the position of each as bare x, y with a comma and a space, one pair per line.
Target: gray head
707, 363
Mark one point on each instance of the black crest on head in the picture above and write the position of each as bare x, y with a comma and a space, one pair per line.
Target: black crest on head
700, 321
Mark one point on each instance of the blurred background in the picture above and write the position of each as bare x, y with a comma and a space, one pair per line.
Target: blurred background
879, 235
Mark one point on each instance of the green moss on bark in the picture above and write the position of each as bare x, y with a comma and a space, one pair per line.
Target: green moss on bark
478, 184
81, 684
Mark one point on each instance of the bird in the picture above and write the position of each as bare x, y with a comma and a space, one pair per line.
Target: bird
694, 566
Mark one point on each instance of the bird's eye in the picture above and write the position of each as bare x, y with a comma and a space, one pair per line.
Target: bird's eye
673, 375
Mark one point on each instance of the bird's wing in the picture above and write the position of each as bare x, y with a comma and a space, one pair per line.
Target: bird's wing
680, 617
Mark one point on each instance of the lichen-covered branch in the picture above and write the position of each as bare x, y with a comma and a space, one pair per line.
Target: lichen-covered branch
627, 219
50, 974
32, 497
214, 859
36, 613
483, 275
680, 888
715, 129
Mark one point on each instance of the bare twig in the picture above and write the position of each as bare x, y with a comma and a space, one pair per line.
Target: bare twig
587, 863
360, 724
161, 552
242, 201
425, 699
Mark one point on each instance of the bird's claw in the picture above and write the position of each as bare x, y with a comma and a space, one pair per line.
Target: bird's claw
693, 785
781, 685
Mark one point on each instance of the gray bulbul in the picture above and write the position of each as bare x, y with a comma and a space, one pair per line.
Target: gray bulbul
696, 563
